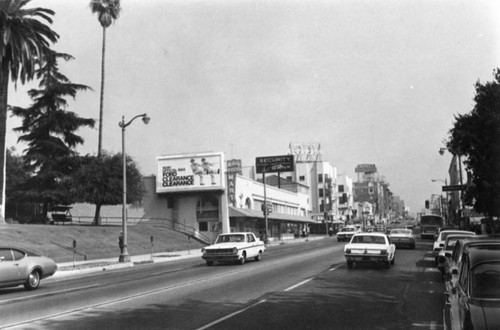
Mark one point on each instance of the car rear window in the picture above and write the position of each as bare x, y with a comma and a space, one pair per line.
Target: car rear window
369, 239
485, 283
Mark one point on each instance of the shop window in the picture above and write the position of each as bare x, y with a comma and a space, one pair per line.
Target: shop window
203, 226
207, 208
170, 202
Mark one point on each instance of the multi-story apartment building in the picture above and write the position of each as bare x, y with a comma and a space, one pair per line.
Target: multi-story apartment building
345, 197
321, 177
371, 188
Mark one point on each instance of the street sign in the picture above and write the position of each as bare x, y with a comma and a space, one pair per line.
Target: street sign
454, 187
274, 164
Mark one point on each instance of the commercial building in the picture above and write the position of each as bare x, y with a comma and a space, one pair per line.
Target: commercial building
203, 197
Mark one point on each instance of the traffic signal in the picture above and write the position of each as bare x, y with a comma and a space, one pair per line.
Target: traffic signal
427, 204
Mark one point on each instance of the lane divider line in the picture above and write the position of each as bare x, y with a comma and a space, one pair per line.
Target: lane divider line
231, 315
299, 284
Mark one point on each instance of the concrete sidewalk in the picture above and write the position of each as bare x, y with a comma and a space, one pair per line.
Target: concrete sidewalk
66, 269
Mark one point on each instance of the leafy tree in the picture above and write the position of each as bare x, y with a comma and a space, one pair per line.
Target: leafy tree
100, 181
476, 136
16, 176
24, 39
49, 131
107, 11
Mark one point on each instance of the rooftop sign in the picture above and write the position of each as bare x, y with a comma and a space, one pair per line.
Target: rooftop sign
274, 164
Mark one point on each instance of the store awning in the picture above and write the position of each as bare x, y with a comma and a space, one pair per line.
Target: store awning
247, 213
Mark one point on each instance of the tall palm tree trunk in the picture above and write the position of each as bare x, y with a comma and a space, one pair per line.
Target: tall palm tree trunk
97, 217
101, 103
4, 88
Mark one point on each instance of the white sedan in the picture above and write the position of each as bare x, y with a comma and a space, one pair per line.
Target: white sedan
234, 247
370, 248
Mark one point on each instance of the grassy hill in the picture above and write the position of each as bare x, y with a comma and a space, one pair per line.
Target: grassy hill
93, 242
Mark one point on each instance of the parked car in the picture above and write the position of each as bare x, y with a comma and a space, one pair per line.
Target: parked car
439, 242
234, 247
474, 301
20, 267
370, 248
447, 249
346, 233
453, 260
402, 237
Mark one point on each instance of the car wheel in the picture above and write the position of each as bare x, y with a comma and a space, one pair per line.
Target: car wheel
243, 258
387, 264
33, 280
258, 257
349, 264
210, 263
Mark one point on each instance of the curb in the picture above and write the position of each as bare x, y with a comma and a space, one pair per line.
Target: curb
68, 269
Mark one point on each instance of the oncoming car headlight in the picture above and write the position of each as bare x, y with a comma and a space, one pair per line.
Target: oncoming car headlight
235, 250
203, 250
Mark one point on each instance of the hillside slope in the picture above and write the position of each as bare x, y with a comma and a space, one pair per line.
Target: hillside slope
93, 242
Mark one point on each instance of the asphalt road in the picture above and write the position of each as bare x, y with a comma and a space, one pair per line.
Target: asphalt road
297, 286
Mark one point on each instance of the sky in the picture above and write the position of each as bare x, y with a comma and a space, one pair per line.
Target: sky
377, 82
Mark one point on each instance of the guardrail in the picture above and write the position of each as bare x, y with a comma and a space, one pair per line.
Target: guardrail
105, 221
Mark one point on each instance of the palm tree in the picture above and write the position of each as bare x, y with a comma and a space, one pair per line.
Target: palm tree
24, 39
107, 11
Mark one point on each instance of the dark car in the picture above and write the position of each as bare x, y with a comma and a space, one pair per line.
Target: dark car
346, 233
402, 237
474, 301
20, 267
453, 259
447, 250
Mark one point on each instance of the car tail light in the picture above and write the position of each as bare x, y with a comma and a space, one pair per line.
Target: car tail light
383, 252
348, 251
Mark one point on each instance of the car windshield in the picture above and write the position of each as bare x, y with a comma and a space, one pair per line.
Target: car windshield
368, 239
230, 238
485, 283
401, 231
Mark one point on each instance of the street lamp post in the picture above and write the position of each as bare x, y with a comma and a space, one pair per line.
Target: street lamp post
124, 256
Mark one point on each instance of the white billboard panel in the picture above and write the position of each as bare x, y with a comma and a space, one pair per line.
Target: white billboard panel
190, 172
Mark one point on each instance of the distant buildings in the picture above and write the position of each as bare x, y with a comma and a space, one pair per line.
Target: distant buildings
203, 195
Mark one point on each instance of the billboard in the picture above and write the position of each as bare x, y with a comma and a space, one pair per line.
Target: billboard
190, 172
274, 164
